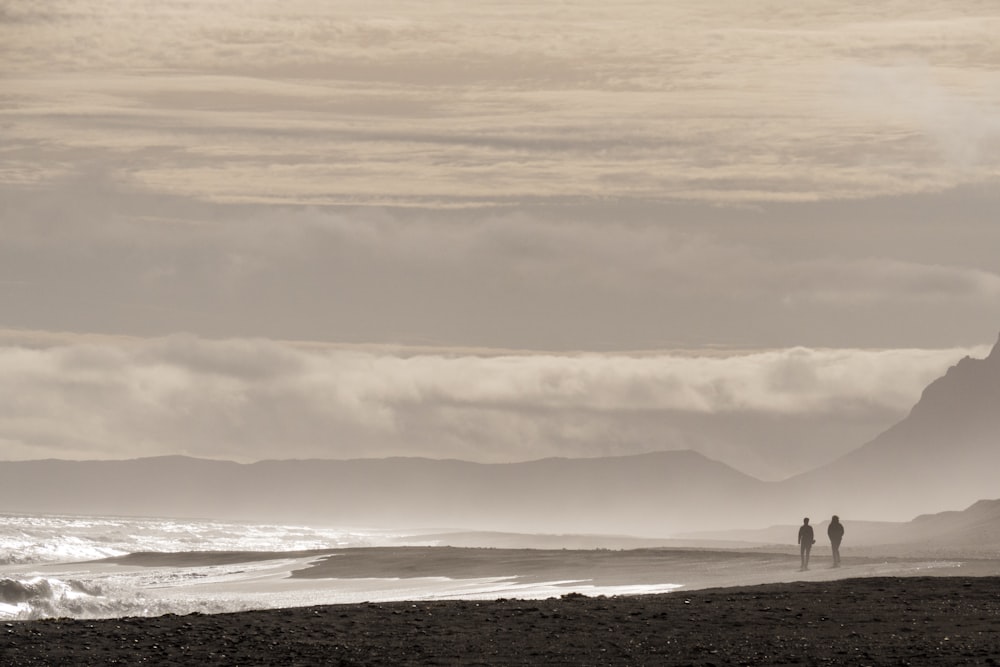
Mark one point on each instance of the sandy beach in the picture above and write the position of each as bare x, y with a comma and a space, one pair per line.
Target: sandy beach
926, 613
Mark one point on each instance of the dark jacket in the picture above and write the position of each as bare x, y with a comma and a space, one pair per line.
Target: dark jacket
835, 531
806, 535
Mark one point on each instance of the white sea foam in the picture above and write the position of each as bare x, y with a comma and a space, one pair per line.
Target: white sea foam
60, 538
46, 568
38, 597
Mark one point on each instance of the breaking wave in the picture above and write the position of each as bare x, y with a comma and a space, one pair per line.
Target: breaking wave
26, 539
50, 597
33, 547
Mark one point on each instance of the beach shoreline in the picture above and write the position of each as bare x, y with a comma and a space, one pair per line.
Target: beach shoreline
158, 583
573, 570
914, 620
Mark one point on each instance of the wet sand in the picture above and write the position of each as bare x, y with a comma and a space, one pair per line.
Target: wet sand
576, 569
689, 568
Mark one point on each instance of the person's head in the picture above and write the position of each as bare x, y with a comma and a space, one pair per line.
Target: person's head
805, 521
836, 518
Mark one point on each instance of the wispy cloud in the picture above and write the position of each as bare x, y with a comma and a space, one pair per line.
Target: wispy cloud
958, 121
551, 177
457, 104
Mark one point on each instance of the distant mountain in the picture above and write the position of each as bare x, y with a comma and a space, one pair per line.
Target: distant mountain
651, 494
972, 531
977, 527
945, 453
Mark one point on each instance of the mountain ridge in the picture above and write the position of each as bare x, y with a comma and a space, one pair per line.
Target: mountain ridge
941, 455
564, 495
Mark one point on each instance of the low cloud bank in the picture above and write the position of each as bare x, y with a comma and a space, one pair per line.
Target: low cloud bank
249, 399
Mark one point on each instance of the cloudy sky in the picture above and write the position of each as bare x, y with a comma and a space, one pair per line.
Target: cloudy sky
490, 230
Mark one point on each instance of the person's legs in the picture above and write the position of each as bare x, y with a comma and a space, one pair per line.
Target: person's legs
836, 552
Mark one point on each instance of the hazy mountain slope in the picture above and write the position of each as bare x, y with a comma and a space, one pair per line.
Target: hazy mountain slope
945, 453
974, 530
651, 494
976, 526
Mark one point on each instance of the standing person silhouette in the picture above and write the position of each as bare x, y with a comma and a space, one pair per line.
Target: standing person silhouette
806, 541
836, 533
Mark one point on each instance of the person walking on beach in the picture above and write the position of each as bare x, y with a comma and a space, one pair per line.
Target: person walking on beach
806, 541
836, 533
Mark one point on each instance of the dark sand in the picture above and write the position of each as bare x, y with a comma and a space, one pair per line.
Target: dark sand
869, 621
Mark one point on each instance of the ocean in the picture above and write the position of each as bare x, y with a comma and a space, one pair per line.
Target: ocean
111, 566
55, 566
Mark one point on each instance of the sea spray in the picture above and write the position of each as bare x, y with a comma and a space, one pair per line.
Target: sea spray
32, 544
61, 538
37, 597
50, 597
